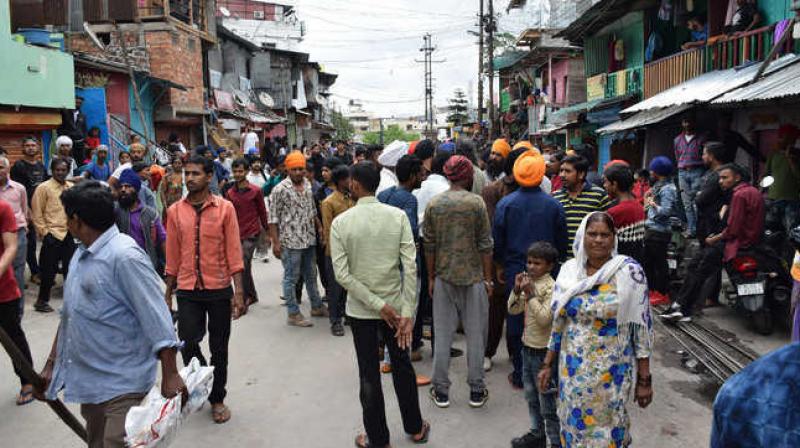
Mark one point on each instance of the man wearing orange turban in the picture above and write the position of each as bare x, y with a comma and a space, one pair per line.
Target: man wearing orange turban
525, 216
295, 159
497, 159
525, 144
292, 215
529, 169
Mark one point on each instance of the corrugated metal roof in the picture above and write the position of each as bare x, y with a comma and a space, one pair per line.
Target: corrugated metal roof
643, 119
708, 86
779, 84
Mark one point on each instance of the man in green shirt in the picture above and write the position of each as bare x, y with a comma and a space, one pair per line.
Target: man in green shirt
373, 256
458, 253
784, 166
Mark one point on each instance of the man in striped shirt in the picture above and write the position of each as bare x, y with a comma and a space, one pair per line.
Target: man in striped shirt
577, 196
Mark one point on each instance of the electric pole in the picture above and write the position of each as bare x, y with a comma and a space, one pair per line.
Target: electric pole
428, 49
480, 64
490, 29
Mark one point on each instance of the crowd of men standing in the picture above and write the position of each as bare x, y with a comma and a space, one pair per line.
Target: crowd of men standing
445, 235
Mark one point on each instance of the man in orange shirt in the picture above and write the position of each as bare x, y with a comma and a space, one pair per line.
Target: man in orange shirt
203, 255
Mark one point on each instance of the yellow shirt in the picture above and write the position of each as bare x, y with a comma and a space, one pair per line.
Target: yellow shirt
47, 212
333, 206
538, 314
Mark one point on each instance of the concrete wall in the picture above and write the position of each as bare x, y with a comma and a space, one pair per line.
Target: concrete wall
33, 76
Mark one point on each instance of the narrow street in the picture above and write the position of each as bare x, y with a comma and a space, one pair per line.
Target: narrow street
292, 387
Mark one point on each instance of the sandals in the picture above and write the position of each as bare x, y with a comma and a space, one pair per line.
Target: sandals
25, 395
426, 431
220, 414
363, 442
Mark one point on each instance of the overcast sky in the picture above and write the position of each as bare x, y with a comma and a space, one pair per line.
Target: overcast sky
373, 45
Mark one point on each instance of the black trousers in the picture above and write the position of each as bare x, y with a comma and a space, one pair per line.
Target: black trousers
337, 296
367, 334
9, 322
193, 314
701, 275
424, 303
655, 260
53, 252
33, 264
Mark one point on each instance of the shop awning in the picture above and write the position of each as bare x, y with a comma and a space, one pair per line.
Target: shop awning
780, 84
642, 119
264, 117
709, 86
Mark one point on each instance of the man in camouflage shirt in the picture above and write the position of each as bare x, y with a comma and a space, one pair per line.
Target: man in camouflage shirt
458, 253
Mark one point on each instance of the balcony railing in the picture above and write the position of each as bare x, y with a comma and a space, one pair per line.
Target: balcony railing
190, 12
721, 52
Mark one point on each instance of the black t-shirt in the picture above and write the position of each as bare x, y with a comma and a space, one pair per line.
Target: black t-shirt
30, 175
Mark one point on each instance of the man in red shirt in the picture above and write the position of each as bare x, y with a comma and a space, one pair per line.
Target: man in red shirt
203, 254
627, 212
745, 224
10, 295
745, 216
252, 216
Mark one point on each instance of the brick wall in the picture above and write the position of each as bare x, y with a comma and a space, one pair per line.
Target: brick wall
137, 51
175, 55
178, 57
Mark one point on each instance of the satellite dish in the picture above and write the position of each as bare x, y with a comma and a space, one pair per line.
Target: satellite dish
266, 99
225, 12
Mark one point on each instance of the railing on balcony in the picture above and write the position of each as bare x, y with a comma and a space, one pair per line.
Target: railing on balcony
722, 52
190, 12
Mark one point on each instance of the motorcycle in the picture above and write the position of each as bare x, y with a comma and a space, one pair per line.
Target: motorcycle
676, 254
761, 284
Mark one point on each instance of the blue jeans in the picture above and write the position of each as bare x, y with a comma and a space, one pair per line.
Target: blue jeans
296, 262
689, 181
19, 265
541, 406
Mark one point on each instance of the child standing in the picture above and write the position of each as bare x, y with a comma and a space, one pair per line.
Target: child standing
532, 293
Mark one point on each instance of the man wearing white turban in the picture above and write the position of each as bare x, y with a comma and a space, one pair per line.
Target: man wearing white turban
388, 160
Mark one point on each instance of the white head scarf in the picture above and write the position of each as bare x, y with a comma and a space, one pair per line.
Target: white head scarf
63, 140
626, 274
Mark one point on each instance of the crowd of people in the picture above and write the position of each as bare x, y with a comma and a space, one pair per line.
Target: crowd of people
410, 242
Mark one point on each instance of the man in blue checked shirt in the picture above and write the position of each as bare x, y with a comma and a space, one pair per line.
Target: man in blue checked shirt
114, 326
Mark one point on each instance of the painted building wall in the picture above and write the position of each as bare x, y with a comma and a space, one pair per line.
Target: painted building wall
559, 74
33, 76
598, 49
148, 94
775, 10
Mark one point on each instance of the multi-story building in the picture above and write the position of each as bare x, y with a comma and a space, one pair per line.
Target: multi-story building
35, 85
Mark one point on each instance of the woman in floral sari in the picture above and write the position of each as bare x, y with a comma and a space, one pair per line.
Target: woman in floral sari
172, 188
602, 332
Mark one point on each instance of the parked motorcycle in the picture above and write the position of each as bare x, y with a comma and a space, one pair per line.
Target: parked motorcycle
760, 281
676, 254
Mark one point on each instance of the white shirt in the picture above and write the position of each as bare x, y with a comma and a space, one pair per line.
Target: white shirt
117, 172
250, 140
388, 180
256, 179
546, 185
432, 186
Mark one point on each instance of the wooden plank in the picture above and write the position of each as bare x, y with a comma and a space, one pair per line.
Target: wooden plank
21, 121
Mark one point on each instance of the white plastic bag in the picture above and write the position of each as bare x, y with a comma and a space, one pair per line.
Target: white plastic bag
155, 422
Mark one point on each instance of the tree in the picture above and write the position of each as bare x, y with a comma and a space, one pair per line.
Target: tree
458, 108
344, 130
390, 134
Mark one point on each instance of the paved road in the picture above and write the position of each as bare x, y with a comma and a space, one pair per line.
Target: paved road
292, 387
